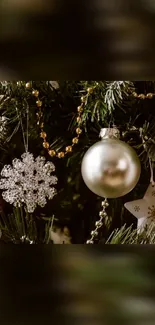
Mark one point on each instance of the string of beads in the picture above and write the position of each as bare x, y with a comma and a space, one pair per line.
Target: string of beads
43, 134
143, 96
103, 215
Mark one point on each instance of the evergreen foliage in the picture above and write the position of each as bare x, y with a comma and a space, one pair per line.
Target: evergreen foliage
111, 103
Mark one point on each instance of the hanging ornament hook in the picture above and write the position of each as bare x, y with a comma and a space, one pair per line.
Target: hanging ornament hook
25, 138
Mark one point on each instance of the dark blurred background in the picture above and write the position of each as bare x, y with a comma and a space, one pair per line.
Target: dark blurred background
77, 285
77, 39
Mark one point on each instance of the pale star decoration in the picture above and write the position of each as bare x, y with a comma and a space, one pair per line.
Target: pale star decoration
28, 181
143, 209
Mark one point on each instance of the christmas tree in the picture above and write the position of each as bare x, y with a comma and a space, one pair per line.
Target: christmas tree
46, 129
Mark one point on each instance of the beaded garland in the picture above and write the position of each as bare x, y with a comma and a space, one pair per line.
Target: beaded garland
103, 215
75, 140
143, 96
43, 135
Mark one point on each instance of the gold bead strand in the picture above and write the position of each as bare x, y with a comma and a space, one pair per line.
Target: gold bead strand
143, 96
43, 135
99, 223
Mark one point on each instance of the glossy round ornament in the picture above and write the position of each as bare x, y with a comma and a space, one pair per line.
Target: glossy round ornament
111, 168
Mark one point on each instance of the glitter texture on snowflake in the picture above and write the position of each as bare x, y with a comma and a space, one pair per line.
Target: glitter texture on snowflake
28, 181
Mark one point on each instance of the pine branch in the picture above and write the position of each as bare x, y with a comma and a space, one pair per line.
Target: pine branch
105, 98
115, 91
130, 236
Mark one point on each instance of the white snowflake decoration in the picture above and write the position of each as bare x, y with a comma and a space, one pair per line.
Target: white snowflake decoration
28, 182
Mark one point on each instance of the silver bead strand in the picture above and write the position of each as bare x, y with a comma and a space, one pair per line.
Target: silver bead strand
99, 223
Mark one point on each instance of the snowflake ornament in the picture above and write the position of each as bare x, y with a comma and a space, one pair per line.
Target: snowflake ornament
28, 181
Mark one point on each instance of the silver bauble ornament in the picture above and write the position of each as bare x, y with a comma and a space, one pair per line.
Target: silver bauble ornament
110, 168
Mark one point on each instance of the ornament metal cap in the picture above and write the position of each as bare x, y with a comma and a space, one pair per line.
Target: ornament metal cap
107, 133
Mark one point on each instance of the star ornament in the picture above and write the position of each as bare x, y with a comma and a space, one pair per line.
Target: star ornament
143, 209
